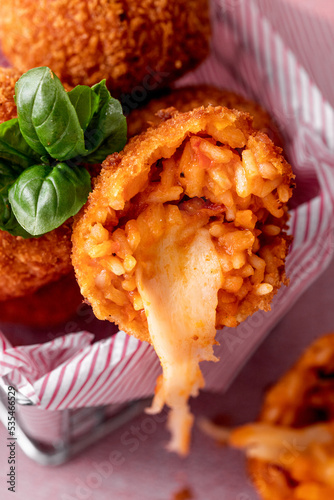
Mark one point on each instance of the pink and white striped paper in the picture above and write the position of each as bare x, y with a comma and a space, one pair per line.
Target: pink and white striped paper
261, 58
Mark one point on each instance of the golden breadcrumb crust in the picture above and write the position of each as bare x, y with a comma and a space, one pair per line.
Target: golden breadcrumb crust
303, 396
8, 78
28, 264
190, 97
128, 42
126, 175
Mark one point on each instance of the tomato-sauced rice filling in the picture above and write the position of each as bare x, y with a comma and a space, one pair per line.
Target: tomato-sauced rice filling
226, 186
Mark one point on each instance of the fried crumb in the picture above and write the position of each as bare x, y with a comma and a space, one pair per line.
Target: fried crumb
183, 494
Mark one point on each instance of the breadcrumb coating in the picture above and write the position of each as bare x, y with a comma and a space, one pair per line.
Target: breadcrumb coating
190, 97
28, 264
128, 42
8, 78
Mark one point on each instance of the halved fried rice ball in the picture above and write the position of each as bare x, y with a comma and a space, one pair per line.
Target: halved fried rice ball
291, 448
185, 233
193, 96
130, 43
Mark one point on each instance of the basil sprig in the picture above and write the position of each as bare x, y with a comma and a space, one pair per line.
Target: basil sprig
47, 196
42, 178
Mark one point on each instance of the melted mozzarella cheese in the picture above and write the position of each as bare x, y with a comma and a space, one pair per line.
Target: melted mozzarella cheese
179, 288
272, 442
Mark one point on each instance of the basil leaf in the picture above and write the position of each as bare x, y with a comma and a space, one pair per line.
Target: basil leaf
85, 103
42, 198
47, 118
114, 143
8, 221
107, 128
101, 90
13, 146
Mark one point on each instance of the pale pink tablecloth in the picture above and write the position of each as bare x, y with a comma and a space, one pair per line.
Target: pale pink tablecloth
306, 26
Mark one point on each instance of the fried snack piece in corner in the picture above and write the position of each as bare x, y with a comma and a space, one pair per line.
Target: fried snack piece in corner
185, 233
190, 97
291, 448
133, 42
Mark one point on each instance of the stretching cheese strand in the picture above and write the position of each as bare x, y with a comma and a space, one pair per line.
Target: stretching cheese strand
271, 442
180, 297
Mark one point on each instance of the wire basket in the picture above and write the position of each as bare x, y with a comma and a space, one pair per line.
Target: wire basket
54, 437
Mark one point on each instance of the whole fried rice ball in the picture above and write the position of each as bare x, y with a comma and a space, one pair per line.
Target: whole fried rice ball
130, 43
190, 97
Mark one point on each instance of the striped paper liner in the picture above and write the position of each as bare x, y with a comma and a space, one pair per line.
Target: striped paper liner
251, 56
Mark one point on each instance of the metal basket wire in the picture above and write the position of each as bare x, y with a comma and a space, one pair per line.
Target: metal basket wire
79, 428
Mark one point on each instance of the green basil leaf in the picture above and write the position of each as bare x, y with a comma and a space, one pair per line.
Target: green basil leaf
47, 118
114, 143
42, 198
85, 102
107, 128
46, 160
8, 221
13, 146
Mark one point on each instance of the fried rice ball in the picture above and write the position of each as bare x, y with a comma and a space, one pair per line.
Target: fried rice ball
131, 43
28, 264
185, 233
190, 97
209, 161
293, 442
